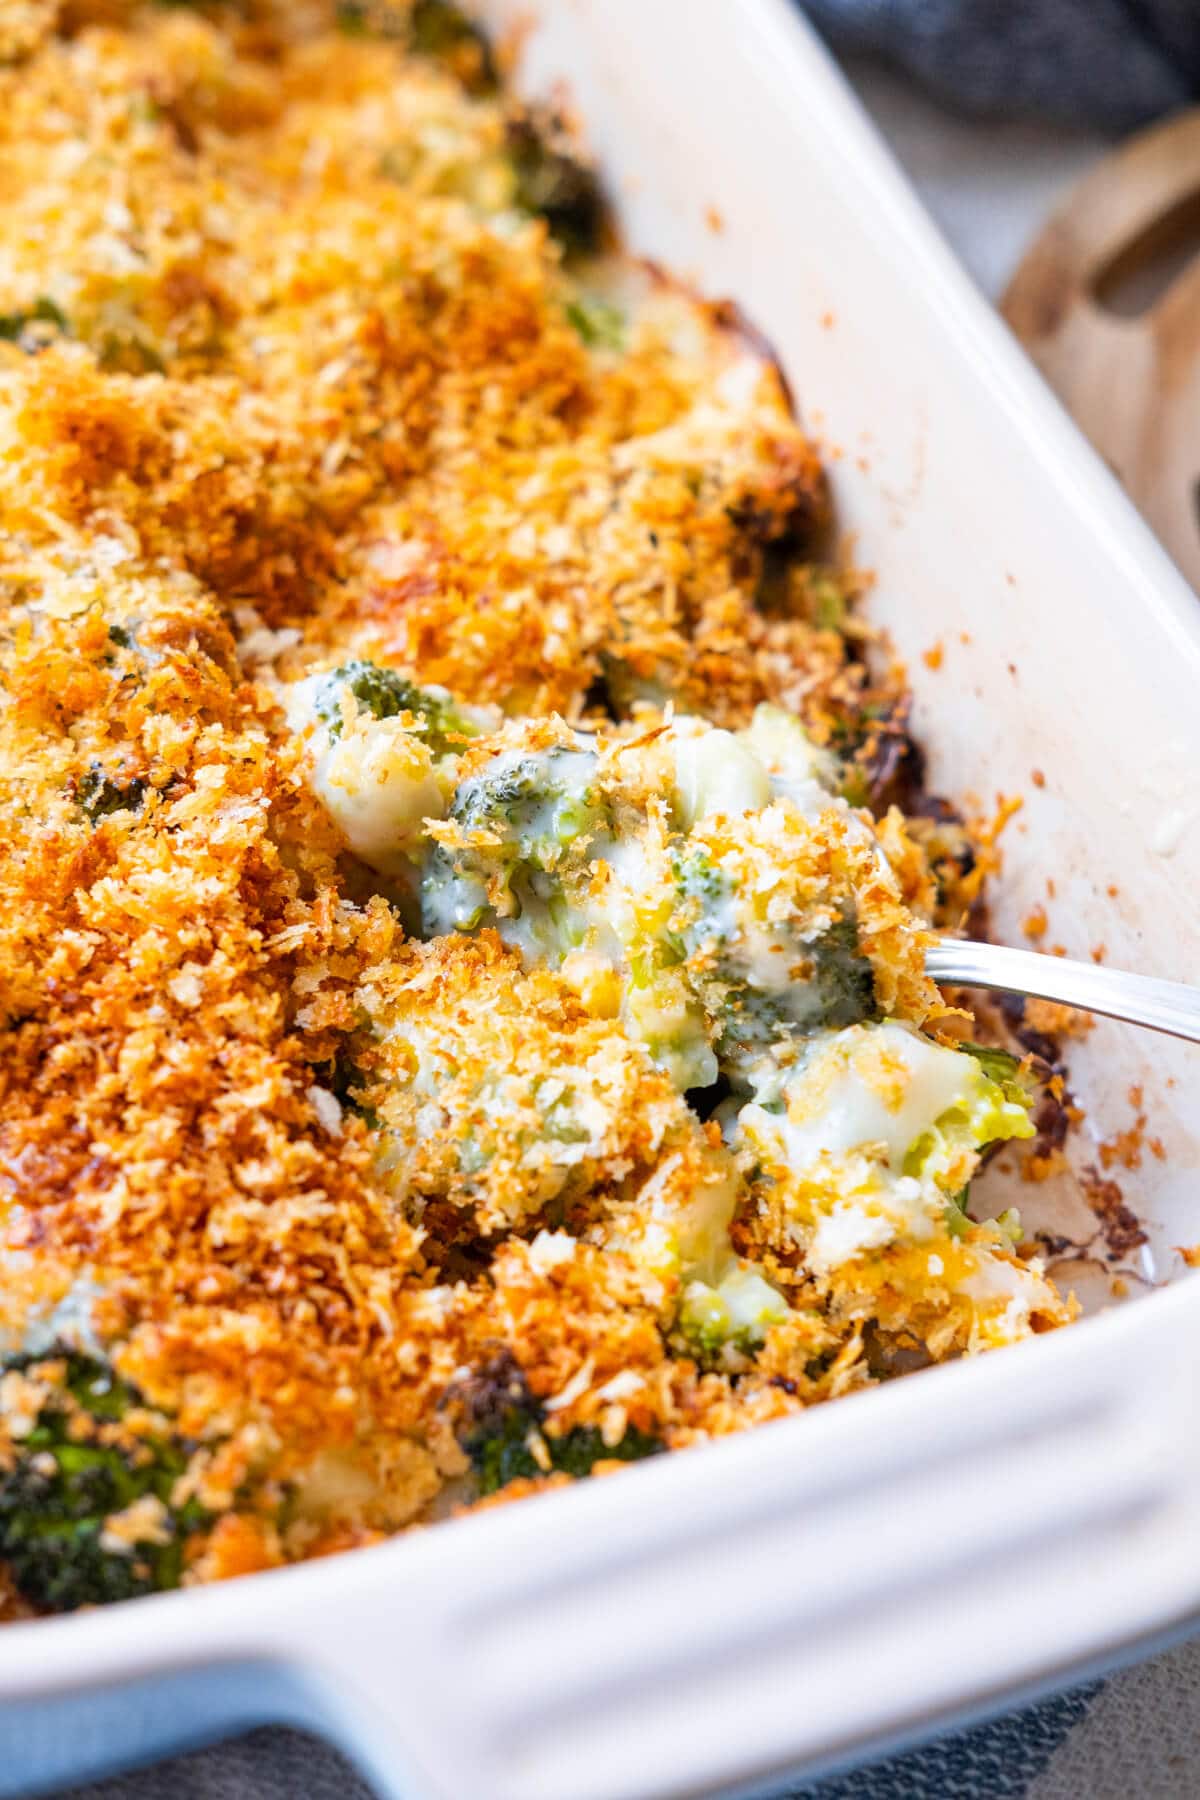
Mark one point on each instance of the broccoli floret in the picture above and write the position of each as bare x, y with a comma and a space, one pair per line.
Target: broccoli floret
441, 30
70, 1474
536, 804
992, 1108
387, 695
434, 28
577, 1453
836, 988
600, 325
15, 327
842, 976
501, 1430
1005, 1069
703, 888
552, 182
733, 1313
526, 812
99, 794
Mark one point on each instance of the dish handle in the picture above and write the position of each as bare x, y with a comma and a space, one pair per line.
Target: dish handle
796, 1597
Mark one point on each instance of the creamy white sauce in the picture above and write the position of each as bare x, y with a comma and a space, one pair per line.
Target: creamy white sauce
375, 779
715, 773
847, 1231
70, 1323
842, 1122
796, 768
871, 1085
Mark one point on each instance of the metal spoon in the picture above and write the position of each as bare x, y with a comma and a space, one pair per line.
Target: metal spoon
1168, 1006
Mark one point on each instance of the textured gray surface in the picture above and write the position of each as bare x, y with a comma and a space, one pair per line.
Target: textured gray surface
266, 1765
998, 1761
1113, 63
1136, 1734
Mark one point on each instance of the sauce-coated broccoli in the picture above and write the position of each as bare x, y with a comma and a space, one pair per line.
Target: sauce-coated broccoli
1005, 1069
821, 984
526, 811
599, 324
387, 694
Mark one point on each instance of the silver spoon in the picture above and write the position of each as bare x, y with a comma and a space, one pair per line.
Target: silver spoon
1168, 1006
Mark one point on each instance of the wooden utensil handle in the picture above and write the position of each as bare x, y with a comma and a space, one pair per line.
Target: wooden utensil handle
1132, 381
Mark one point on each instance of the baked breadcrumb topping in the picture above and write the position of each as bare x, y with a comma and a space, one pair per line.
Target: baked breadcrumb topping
463, 887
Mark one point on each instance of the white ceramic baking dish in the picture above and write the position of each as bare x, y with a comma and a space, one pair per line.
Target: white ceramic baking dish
810, 1592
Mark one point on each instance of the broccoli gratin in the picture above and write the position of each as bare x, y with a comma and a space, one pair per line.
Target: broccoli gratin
465, 869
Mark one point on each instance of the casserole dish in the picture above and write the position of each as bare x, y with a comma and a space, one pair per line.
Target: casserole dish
920, 1543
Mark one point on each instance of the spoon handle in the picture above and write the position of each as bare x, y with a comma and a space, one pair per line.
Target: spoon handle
1169, 1006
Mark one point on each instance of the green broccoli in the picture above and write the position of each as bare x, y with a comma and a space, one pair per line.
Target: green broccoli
733, 1313
387, 694
532, 808
98, 794
552, 182
723, 959
15, 326
441, 30
705, 890
71, 1473
434, 28
600, 325
536, 804
1008, 1072
501, 1429
993, 1106
842, 977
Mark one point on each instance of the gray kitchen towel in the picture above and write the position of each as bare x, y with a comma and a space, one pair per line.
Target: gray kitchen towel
1113, 63
1134, 1734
